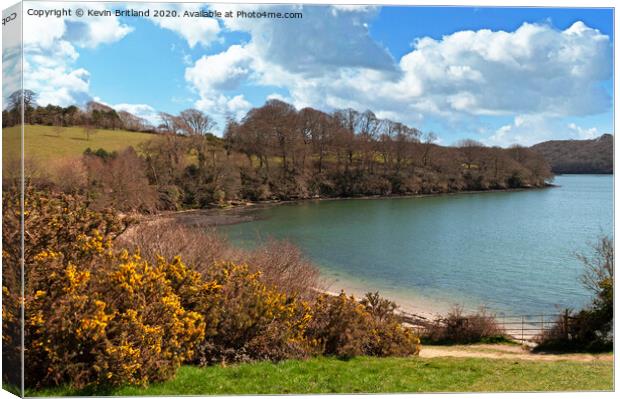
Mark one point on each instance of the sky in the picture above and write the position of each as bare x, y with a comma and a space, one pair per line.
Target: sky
501, 76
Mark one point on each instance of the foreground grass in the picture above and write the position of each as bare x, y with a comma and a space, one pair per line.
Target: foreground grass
372, 375
42, 142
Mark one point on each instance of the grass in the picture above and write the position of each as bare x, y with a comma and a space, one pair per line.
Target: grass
373, 375
42, 142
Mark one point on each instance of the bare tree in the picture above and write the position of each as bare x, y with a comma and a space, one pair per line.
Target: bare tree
89, 130
195, 122
428, 142
599, 268
58, 128
471, 150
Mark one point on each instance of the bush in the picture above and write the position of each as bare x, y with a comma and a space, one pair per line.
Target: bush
104, 319
590, 329
283, 265
459, 328
280, 263
343, 327
248, 320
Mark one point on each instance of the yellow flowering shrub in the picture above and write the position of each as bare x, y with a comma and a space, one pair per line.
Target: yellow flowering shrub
344, 327
249, 320
113, 320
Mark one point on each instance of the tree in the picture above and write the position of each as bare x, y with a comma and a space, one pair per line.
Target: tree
471, 150
25, 97
195, 122
169, 123
89, 130
58, 127
427, 145
598, 275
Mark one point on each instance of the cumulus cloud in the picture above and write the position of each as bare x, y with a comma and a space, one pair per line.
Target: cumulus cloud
328, 60
221, 106
583, 133
535, 69
144, 111
51, 50
280, 54
533, 129
222, 71
203, 31
322, 39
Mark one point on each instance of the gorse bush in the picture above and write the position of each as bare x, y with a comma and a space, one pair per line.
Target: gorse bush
343, 327
250, 320
111, 319
97, 315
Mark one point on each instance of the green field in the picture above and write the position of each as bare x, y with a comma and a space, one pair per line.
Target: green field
373, 375
43, 143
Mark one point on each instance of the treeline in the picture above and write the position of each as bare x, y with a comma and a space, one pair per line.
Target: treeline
95, 116
277, 152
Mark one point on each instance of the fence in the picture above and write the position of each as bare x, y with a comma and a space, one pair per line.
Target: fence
525, 328
522, 328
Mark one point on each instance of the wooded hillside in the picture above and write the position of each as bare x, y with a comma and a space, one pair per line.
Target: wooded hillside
579, 156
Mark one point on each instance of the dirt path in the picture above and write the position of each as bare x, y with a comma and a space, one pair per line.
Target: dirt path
506, 352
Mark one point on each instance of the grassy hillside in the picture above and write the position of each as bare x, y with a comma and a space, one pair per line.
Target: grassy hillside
42, 142
579, 156
374, 375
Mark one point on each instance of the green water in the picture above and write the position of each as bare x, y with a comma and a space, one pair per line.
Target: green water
510, 251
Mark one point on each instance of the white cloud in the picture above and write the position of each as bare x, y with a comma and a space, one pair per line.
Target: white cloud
50, 52
280, 54
222, 71
220, 107
238, 106
197, 30
583, 133
144, 111
82, 32
533, 129
535, 69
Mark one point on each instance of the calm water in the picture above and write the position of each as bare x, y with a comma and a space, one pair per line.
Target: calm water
511, 251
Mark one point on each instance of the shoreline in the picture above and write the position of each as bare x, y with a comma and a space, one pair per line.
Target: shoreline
239, 211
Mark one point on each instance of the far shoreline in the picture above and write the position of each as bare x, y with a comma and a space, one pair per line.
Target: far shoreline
237, 212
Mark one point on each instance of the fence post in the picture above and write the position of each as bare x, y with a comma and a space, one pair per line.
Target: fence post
522, 326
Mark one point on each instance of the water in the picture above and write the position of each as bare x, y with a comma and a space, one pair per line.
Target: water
510, 251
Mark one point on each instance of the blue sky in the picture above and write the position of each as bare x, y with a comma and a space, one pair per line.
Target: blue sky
497, 75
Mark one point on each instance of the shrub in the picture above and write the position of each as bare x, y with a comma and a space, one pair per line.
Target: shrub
281, 264
200, 246
389, 337
343, 327
92, 316
249, 320
459, 328
590, 329
107, 319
